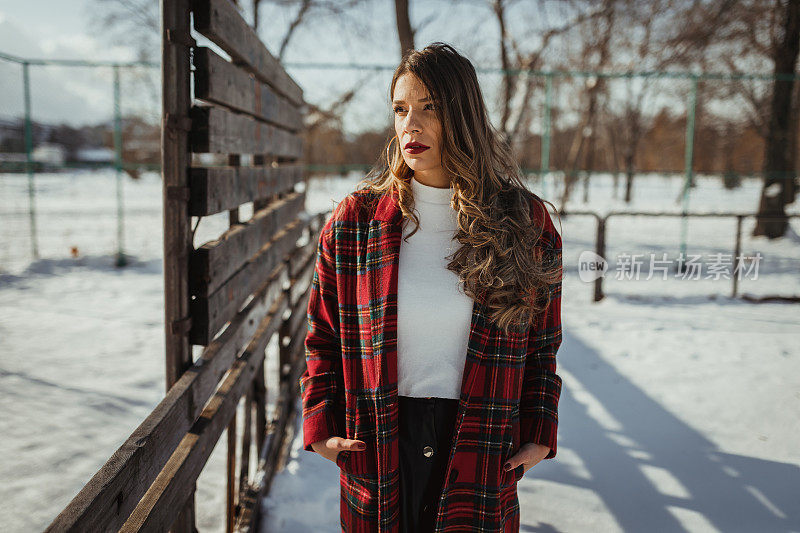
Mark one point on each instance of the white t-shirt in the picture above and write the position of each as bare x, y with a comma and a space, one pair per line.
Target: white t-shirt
433, 313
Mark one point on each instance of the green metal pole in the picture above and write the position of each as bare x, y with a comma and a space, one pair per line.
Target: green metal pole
26, 84
545, 157
121, 261
688, 170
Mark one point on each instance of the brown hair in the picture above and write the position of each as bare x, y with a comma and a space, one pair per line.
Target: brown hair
496, 217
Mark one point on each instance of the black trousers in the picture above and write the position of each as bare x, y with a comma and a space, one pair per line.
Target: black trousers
426, 433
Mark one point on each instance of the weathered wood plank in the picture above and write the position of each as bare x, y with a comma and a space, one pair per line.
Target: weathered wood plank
220, 21
298, 317
303, 255
156, 509
300, 280
211, 313
213, 263
218, 189
247, 441
298, 339
284, 418
177, 235
174, 162
221, 82
298, 290
106, 501
230, 493
220, 131
288, 353
260, 395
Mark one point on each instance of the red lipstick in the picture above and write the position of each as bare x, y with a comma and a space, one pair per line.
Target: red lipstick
415, 147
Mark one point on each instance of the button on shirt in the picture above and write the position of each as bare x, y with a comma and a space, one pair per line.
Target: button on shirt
433, 313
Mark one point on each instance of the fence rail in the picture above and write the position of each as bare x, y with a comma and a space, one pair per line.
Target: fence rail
600, 242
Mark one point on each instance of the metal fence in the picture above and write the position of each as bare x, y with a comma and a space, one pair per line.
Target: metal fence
555, 93
733, 266
29, 165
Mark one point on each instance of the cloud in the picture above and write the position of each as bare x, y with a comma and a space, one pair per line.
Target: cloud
82, 46
75, 95
14, 41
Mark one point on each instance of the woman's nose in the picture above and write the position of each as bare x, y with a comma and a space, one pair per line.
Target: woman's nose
412, 129
412, 124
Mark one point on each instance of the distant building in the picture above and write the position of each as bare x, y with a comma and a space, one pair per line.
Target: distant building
12, 134
13, 157
10, 130
95, 155
50, 155
12, 161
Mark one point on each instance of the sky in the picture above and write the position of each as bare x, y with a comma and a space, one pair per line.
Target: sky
66, 29
60, 30
63, 29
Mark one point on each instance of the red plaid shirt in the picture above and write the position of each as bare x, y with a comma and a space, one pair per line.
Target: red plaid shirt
509, 392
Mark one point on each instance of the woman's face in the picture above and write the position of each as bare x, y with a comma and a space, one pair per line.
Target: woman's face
416, 123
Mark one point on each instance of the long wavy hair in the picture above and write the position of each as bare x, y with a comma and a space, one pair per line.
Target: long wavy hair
497, 228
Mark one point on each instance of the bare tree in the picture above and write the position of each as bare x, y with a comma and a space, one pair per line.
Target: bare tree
135, 23
598, 89
587, 131
340, 13
131, 22
780, 187
404, 31
630, 130
759, 32
518, 65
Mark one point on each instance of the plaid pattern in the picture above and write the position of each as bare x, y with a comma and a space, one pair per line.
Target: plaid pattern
509, 391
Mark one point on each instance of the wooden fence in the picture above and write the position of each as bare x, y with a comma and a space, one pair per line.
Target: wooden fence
230, 295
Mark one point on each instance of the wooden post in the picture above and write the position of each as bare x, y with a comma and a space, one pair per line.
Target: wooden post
234, 160
260, 396
736, 251
230, 500
600, 250
244, 462
175, 70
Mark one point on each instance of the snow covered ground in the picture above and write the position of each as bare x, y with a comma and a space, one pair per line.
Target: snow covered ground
680, 409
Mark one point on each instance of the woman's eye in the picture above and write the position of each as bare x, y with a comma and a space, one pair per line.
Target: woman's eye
398, 109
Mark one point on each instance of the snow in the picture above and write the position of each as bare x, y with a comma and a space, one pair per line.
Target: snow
680, 409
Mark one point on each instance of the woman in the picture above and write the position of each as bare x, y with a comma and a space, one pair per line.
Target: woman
431, 373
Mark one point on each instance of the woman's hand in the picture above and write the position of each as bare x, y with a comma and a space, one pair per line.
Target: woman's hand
329, 448
528, 454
